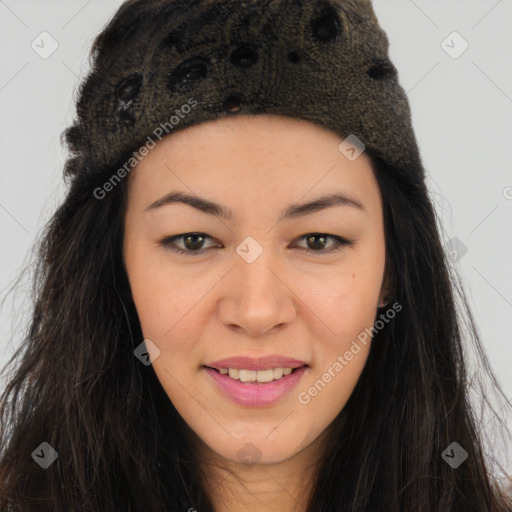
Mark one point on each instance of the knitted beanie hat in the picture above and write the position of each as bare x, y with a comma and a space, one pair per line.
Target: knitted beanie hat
171, 64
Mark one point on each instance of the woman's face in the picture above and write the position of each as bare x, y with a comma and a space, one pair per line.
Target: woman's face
247, 289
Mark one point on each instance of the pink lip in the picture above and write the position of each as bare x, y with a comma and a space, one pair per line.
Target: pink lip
255, 394
261, 363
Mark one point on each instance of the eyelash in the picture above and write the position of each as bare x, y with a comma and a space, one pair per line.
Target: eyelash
168, 243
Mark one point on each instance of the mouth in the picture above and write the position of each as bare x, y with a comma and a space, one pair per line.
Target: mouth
256, 376
255, 388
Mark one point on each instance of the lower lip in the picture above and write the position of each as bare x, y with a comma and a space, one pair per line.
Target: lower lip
255, 394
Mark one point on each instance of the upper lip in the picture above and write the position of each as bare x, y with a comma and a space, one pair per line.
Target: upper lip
260, 363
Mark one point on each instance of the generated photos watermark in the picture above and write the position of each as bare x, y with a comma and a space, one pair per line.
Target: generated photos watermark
305, 397
159, 132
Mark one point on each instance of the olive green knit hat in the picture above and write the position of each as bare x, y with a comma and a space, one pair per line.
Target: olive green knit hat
183, 62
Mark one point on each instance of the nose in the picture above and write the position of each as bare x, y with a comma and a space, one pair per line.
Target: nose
257, 300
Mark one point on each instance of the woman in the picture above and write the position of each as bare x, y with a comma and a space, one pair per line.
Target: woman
239, 311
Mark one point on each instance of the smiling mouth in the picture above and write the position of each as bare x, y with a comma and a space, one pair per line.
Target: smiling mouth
264, 387
256, 376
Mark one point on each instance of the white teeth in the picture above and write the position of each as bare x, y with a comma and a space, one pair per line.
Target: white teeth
247, 375
265, 375
256, 375
278, 373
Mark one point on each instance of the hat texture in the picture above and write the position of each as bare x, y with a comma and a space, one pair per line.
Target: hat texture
183, 62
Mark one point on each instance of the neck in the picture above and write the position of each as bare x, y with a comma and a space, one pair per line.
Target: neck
283, 486
278, 487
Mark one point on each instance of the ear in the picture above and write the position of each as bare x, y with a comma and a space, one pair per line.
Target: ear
388, 284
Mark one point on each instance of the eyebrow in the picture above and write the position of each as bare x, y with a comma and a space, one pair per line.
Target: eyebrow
292, 211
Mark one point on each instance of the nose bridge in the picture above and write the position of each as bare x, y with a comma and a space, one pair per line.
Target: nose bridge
258, 300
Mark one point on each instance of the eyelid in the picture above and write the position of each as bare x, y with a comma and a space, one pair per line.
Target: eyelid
339, 243
168, 243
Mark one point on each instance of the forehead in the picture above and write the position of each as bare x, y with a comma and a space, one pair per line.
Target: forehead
277, 156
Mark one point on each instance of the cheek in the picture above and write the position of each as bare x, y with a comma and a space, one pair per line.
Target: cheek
150, 297
347, 309
168, 315
346, 300
151, 292
171, 309
341, 347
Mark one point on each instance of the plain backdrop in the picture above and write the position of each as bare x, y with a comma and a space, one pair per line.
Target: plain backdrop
454, 60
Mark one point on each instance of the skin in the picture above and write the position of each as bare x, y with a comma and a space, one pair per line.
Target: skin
201, 308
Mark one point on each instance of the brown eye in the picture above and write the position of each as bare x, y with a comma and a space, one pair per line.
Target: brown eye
192, 243
317, 242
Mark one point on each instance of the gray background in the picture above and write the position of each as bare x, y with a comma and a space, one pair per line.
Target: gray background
462, 115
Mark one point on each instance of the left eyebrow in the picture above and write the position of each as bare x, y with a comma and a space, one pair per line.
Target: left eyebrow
292, 211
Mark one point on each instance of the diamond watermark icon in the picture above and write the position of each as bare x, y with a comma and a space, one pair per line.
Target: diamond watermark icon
44, 45
455, 45
352, 148
44, 455
454, 455
249, 454
249, 249
455, 249
147, 352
